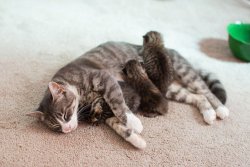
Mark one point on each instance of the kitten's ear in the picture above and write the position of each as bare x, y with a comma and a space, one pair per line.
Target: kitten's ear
56, 89
36, 114
146, 38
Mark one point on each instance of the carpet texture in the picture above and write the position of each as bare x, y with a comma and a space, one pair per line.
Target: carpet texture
39, 37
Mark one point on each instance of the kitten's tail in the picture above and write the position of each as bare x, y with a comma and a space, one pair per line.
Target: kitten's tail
128, 134
214, 85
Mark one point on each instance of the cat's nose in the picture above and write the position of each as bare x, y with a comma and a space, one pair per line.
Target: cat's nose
67, 129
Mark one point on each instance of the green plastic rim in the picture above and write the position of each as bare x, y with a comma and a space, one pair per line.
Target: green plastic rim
240, 32
239, 40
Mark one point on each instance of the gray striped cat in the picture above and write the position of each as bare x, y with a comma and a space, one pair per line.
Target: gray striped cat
96, 74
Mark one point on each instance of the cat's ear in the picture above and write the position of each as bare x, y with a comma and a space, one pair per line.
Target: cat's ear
36, 114
56, 90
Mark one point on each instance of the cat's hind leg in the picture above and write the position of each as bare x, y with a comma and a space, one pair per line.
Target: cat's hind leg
200, 87
221, 110
178, 93
128, 134
215, 93
194, 82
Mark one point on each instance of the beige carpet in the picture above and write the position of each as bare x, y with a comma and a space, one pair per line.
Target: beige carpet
38, 37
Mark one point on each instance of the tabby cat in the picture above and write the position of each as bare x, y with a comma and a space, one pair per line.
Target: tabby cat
93, 75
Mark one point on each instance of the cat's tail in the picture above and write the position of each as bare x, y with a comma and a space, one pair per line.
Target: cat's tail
128, 134
214, 85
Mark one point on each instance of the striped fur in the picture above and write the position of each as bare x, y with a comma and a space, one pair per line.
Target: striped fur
189, 79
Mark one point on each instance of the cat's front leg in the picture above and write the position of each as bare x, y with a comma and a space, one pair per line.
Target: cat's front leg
128, 134
111, 91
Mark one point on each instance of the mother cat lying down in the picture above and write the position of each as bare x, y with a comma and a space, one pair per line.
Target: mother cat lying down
112, 72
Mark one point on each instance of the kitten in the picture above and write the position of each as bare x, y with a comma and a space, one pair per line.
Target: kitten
157, 61
153, 102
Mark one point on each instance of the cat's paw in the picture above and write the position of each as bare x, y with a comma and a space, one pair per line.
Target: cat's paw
209, 116
222, 112
136, 140
134, 123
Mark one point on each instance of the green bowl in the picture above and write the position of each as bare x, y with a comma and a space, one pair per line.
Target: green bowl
239, 40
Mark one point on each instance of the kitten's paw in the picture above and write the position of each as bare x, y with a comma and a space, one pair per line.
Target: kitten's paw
134, 122
222, 112
209, 116
136, 140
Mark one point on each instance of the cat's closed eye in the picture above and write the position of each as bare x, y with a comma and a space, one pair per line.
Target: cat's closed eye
66, 117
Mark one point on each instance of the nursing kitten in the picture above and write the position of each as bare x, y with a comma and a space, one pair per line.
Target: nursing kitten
153, 102
157, 61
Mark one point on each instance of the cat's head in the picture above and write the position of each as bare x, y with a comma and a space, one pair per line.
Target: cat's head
58, 109
153, 38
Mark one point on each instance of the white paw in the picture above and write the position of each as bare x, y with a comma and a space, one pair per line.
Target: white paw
222, 112
209, 116
134, 123
136, 140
